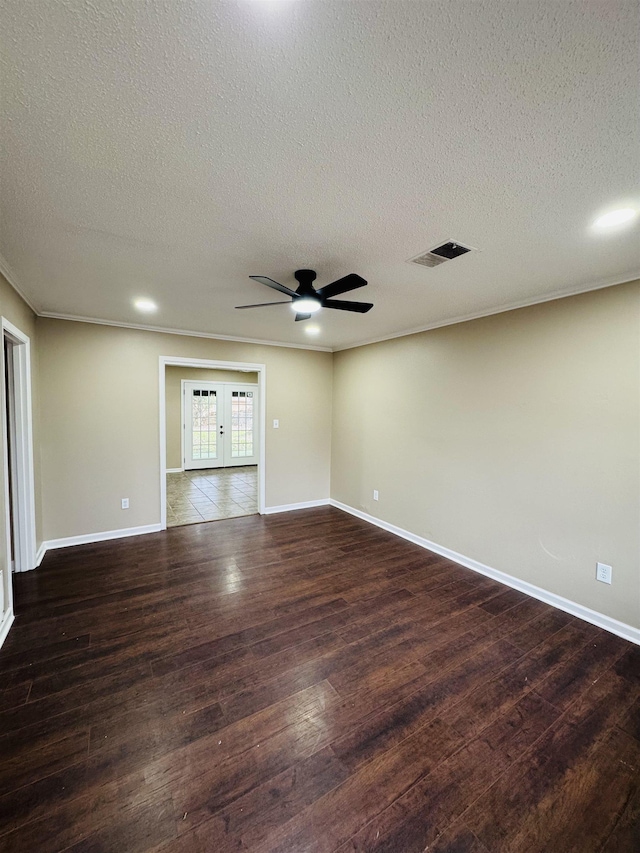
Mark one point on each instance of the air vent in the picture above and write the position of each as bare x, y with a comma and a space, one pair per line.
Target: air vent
427, 260
445, 252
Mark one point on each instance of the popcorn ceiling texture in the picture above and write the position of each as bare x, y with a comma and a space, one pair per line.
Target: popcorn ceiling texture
171, 149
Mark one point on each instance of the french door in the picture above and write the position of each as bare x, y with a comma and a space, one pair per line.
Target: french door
220, 423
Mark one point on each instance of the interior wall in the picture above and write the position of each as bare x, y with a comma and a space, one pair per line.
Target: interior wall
99, 388
173, 379
513, 440
16, 310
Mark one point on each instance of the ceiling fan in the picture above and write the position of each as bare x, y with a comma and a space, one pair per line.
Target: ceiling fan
306, 300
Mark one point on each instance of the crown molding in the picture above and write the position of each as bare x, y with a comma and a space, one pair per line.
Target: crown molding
50, 315
490, 312
11, 277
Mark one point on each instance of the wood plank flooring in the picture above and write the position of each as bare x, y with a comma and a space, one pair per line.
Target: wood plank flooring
307, 683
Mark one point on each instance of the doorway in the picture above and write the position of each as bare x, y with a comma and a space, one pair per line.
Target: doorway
221, 446
17, 466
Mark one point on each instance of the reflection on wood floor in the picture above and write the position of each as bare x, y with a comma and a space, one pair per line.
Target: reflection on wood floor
307, 682
211, 494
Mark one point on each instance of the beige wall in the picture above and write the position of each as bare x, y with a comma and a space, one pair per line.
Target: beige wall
99, 387
14, 309
173, 378
514, 440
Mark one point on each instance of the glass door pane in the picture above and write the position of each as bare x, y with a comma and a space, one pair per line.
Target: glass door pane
204, 423
242, 412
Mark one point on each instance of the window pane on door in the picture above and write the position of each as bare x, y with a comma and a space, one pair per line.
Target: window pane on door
241, 424
204, 420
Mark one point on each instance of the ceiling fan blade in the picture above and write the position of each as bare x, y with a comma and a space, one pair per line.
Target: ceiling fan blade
302, 317
342, 285
264, 304
343, 305
274, 284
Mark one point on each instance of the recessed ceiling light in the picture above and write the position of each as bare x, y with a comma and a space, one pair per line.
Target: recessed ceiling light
312, 330
306, 305
614, 218
147, 306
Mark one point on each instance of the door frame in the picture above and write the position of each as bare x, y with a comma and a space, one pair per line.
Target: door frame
22, 435
183, 412
209, 364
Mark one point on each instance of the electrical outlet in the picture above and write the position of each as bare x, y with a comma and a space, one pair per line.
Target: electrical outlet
276, 423
375, 494
125, 503
603, 572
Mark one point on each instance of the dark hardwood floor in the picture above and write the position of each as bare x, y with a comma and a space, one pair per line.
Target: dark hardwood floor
307, 682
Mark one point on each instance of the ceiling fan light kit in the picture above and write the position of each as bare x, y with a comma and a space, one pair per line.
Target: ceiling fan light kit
306, 305
306, 300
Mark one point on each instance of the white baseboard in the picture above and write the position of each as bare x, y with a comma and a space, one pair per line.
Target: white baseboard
627, 632
42, 550
174, 470
5, 625
38, 557
270, 510
88, 538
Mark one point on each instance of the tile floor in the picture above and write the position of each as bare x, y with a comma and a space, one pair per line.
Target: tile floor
210, 494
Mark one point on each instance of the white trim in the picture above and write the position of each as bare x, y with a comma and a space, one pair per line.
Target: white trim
181, 361
12, 278
271, 510
40, 554
52, 315
489, 312
5, 625
25, 508
464, 318
165, 361
174, 471
103, 536
10, 478
627, 632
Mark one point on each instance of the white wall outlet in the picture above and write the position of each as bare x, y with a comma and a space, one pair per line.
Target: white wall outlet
603, 572
375, 494
125, 503
276, 423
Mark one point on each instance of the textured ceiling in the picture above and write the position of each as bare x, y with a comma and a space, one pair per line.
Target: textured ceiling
171, 149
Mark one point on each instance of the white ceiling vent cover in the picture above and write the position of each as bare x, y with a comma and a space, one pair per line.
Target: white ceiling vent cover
441, 253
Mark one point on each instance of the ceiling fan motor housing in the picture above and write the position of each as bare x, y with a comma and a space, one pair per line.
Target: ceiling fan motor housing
305, 279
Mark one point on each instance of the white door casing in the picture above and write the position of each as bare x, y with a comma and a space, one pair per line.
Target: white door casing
22, 463
22, 497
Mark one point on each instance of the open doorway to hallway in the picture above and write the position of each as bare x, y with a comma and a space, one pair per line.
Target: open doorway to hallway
213, 449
